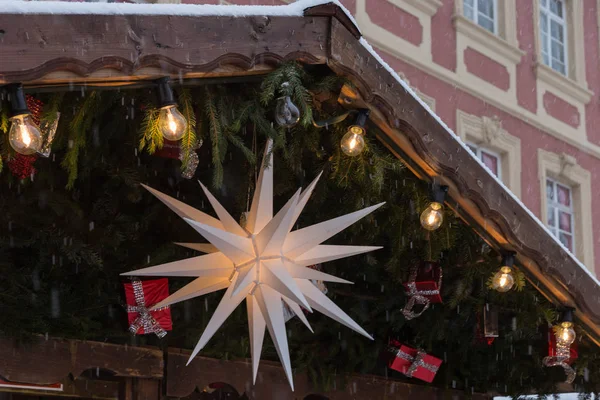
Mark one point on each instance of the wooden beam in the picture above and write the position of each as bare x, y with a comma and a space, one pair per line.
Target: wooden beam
46, 361
271, 382
122, 48
82, 388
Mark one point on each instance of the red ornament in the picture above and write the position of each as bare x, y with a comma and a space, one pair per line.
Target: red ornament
21, 166
141, 296
411, 362
423, 288
35, 108
170, 149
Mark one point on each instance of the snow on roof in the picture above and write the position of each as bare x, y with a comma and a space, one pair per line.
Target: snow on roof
370, 49
295, 9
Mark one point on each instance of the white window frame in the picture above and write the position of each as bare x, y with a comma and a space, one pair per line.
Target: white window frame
557, 207
476, 15
488, 133
481, 149
565, 169
550, 16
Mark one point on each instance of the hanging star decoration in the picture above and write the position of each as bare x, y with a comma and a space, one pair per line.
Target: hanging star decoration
265, 263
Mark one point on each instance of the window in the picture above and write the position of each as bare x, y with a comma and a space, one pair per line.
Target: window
553, 34
566, 203
496, 148
559, 209
490, 159
482, 12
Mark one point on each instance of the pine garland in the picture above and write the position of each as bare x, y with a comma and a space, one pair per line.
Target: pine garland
79, 127
219, 144
189, 141
151, 138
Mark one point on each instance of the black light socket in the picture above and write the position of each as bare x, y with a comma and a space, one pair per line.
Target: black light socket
567, 314
165, 93
438, 193
18, 103
361, 119
508, 259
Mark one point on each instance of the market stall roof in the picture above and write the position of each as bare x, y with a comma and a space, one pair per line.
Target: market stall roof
45, 44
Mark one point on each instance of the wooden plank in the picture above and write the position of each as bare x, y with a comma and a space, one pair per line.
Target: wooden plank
334, 11
48, 361
82, 388
271, 382
34, 46
410, 128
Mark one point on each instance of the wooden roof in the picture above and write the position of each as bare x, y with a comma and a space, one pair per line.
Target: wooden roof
54, 48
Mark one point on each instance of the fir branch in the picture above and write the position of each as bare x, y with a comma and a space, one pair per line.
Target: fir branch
219, 145
151, 137
78, 128
4, 120
52, 107
189, 141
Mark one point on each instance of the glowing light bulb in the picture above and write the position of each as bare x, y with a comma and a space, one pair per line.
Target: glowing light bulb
353, 142
286, 112
565, 334
432, 217
24, 135
503, 281
172, 123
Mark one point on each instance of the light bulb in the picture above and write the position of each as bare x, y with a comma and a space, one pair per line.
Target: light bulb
24, 135
565, 334
172, 123
286, 112
353, 142
503, 280
432, 217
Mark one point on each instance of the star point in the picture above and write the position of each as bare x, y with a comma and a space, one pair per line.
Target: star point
265, 263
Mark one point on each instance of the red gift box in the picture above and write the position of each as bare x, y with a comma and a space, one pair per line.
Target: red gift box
412, 362
427, 277
140, 297
552, 351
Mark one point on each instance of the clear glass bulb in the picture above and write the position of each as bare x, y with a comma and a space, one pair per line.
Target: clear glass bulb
172, 123
565, 334
503, 281
286, 112
353, 142
432, 217
24, 135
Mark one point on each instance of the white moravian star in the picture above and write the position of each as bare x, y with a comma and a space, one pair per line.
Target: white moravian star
264, 262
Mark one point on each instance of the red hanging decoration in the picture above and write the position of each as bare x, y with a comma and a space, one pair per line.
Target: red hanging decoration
141, 296
21, 166
487, 326
170, 149
423, 288
35, 108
